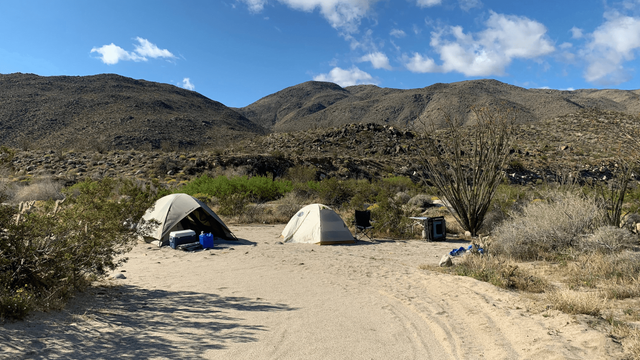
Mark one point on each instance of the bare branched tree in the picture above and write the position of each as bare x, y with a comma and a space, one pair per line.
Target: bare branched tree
465, 163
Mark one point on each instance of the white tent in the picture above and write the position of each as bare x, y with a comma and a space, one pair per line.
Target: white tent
183, 212
317, 224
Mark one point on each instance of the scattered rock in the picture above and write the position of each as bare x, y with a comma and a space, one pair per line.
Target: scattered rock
445, 261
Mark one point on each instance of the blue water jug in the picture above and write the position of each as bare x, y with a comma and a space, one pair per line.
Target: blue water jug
206, 240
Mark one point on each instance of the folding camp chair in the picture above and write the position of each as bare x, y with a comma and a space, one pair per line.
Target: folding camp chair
363, 223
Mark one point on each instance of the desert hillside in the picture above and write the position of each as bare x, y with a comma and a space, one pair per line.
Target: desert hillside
105, 112
111, 111
314, 104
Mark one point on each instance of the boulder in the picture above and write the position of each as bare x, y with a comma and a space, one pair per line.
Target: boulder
446, 261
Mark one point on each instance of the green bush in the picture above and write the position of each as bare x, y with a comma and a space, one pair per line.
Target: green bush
389, 215
331, 191
256, 188
400, 184
301, 174
46, 257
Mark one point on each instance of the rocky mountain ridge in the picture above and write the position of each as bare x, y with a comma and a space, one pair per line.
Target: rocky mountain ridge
587, 146
313, 104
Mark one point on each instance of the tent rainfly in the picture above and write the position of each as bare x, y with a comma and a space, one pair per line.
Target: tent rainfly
183, 212
317, 224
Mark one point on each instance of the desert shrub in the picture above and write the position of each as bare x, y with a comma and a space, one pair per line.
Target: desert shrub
390, 217
40, 189
609, 239
331, 191
47, 256
301, 174
400, 184
546, 227
402, 197
608, 271
7, 190
577, 302
6, 157
499, 272
289, 205
233, 204
421, 201
164, 164
256, 188
631, 338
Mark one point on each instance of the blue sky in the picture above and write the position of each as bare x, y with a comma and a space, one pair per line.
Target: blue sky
237, 51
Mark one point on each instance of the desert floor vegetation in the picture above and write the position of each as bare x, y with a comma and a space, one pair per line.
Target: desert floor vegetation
552, 243
557, 245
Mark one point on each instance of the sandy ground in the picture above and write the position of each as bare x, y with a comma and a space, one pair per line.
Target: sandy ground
260, 299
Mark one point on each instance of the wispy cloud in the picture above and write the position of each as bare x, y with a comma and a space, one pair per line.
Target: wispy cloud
428, 3
467, 5
255, 6
112, 54
146, 48
343, 15
487, 52
342, 77
397, 33
186, 83
610, 46
378, 60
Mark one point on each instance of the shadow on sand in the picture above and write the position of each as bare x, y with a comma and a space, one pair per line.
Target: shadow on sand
130, 322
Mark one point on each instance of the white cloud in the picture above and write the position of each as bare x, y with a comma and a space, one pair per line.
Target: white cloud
146, 48
378, 60
566, 45
490, 51
343, 15
467, 5
397, 33
420, 64
576, 33
112, 54
611, 45
186, 83
255, 6
342, 77
428, 3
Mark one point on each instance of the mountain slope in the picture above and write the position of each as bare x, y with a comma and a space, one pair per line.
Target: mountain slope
111, 110
320, 105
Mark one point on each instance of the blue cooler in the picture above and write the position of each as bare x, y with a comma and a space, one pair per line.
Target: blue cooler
182, 237
206, 240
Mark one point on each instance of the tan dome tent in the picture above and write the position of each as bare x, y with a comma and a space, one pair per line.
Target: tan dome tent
183, 212
317, 224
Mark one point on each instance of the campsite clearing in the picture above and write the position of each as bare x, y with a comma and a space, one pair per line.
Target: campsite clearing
260, 298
